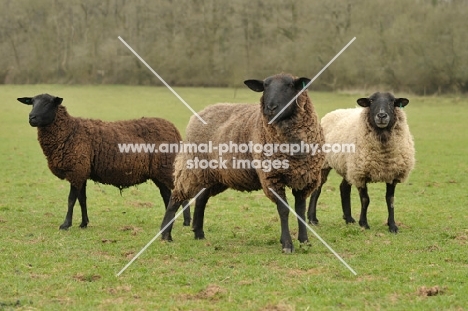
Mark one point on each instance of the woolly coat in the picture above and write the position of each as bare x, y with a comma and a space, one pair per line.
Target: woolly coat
373, 160
244, 123
79, 149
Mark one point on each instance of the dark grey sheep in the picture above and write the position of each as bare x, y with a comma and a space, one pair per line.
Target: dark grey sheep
243, 123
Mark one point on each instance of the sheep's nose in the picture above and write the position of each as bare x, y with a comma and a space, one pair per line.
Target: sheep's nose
272, 107
382, 115
33, 121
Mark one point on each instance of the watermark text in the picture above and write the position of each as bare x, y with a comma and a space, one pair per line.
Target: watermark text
268, 149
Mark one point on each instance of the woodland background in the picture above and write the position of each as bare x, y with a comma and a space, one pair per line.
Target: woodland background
417, 46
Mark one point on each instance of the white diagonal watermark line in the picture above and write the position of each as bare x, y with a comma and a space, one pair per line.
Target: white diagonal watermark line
159, 233
315, 233
162, 80
313, 79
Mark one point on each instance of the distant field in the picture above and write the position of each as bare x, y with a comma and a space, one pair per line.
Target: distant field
240, 265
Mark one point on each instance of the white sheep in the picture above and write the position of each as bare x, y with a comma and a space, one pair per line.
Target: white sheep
384, 152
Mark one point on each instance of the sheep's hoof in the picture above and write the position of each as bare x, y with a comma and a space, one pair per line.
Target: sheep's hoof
287, 250
349, 220
305, 244
364, 225
64, 226
314, 222
187, 223
393, 229
84, 225
288, 247
166, 237
199, 235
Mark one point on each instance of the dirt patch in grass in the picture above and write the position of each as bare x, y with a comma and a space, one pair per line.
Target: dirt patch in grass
429, 291
38, 276
279, 307
108, 241
462, 237
64, 301
133, 230
119, 289
140, 204
211, 292
298, 272
10, 304
86, 277
129, 254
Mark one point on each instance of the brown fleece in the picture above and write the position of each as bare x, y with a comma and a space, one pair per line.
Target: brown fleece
78, 149
241, 123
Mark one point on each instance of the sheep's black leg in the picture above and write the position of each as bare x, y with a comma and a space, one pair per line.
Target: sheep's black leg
168, 217
186, 214
166, 196
312, 212
389, 197
364, 205
84, 208
283, 212
199, 214
300, 207
165, 193
345, 192
72, 196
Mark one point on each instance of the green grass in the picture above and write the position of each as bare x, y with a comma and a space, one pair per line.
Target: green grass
239, 266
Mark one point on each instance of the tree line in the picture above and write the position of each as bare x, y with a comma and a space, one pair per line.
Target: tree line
417, 46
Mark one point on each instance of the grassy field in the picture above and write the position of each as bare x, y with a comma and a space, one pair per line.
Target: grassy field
240, 265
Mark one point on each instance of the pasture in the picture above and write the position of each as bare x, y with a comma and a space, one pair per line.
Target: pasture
240, 265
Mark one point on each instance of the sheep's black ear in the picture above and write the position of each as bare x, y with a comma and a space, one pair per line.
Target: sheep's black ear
301, 83
25, 100
255, 85
401, 102
364, 102
58, 100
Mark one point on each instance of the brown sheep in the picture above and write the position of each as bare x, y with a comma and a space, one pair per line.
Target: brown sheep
79, 149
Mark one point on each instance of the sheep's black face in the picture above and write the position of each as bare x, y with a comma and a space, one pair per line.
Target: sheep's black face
44, 109
382, 109
278, 91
